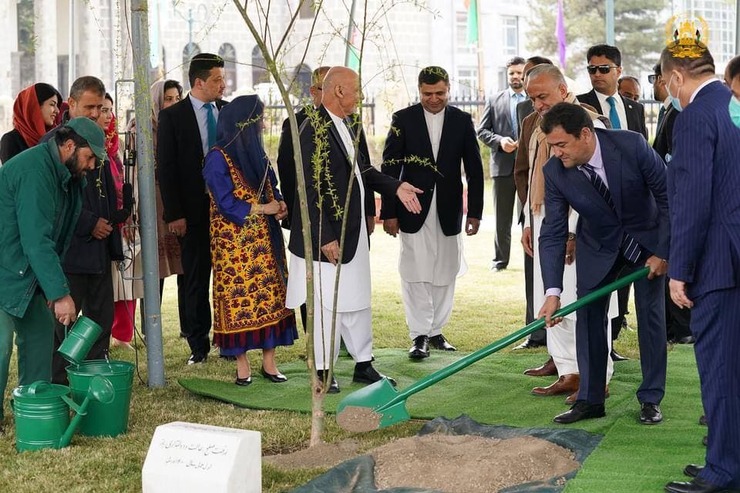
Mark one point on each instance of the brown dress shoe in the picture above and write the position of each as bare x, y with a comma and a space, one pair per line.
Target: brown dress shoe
566, 384
546, 370
572, 398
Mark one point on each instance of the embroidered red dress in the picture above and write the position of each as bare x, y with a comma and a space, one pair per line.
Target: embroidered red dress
249, 269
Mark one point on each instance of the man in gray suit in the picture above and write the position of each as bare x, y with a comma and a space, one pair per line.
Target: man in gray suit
499, 130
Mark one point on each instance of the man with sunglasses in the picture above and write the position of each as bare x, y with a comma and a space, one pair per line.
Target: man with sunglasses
604, 68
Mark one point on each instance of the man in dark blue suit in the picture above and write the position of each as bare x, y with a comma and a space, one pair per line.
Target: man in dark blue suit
703, 184
616, 183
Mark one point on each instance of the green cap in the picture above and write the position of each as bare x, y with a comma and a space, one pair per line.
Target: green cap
92, 133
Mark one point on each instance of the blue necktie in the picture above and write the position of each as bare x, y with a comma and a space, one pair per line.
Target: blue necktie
514, 120
211, 124
629, 247
613, 115
661, 115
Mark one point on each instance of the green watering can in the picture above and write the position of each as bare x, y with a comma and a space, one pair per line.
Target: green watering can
379, 405
42, 412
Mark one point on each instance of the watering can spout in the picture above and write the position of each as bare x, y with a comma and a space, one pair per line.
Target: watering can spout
100, 390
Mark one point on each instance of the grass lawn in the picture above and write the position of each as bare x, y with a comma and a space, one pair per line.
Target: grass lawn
488, 305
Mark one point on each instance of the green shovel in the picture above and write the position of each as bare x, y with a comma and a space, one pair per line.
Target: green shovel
379, 405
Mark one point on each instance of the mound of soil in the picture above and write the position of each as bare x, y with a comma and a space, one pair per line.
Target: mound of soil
449, 463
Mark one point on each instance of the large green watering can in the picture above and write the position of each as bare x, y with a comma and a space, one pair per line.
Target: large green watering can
379, 405
42, 412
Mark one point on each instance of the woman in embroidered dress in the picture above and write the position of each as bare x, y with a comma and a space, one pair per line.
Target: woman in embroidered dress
249, 268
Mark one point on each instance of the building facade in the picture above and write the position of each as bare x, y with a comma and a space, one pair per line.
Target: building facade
59, 40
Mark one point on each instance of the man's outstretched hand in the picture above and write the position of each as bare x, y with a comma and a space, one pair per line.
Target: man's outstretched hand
406, 193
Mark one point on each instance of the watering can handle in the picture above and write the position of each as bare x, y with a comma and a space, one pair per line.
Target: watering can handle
468, 360
37, 385
77, 408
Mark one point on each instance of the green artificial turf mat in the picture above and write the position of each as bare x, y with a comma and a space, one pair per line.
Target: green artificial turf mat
631, 457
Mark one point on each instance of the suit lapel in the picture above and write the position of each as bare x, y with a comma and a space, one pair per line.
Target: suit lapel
613, 168
334, 133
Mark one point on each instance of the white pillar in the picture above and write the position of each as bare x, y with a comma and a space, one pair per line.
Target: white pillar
45, 13
8, 45
91, 39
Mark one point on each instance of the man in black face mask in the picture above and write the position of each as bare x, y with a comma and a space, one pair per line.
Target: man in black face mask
40, 202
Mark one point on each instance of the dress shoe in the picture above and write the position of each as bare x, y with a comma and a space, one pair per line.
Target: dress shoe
580, 410
566, 384
703, 420
686, 340
650, 414
439, 342
546, 370
242, 382
420, 349
529, 344
498, 266
197, 359
696, 485
274, 378
692, 470
368, 375
618, 357
333, 385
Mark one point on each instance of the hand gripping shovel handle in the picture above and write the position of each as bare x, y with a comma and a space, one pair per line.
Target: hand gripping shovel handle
468, 360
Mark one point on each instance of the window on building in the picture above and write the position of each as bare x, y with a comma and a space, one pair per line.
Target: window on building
510, 43
301, 81
190, 50
467, 83
307, 9
228, 53
461, 33
26, 48
259, 67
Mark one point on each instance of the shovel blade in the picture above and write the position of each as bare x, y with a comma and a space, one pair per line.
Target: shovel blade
373, 407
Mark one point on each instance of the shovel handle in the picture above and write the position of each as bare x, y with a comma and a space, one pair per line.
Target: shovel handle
468, 360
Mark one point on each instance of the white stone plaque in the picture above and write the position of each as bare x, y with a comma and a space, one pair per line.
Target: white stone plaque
189, 457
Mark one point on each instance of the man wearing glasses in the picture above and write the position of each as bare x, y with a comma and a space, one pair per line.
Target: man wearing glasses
604, 69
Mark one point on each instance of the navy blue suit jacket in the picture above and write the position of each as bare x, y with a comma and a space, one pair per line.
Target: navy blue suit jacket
636, 176
704, 194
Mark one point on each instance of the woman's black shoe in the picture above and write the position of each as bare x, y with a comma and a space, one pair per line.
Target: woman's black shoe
242, 382
277, 378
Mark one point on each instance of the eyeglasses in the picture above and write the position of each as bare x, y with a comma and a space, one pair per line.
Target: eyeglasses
603, 69
652, 78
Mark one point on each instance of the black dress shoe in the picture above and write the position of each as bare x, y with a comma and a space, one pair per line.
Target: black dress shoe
703, 420
650, 414
333, 385
529, 344
439, 342
580, 410
696, 485
274, 378
197, 359
420, 349
368, 375
618, 357
242, 382
692, 470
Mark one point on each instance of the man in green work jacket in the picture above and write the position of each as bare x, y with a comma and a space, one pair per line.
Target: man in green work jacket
40, 200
